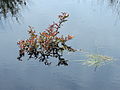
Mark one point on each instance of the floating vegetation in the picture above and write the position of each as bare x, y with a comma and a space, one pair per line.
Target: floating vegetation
97, 60
46, 44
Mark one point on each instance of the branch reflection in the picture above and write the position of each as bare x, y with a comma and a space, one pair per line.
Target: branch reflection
10, 8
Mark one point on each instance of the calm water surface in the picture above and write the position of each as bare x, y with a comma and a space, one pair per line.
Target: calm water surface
96, 27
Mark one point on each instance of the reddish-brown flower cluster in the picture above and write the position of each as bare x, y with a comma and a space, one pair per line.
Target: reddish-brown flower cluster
46, 44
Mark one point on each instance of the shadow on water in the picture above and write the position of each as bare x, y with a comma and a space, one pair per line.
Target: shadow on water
11, 8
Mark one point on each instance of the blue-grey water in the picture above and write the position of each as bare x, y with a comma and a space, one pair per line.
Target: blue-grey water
96, 27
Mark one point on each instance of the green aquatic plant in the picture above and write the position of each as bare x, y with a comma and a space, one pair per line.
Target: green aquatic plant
96, 60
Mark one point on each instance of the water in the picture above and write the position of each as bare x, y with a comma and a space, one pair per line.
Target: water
95, 25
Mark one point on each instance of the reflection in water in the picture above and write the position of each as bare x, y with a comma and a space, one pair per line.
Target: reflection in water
114, 2
115, 5
10, 7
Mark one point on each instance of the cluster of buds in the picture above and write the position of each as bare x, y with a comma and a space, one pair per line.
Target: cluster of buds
46, 44
63, 16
